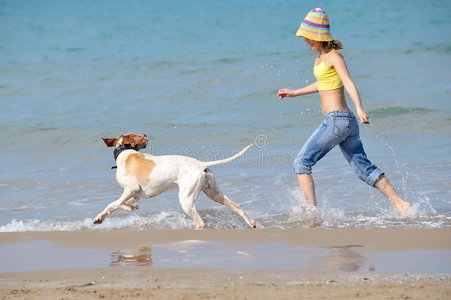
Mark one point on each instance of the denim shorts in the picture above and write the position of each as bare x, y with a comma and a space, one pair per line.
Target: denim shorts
338, 128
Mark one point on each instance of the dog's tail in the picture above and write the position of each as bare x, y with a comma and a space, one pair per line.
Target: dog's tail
223, 161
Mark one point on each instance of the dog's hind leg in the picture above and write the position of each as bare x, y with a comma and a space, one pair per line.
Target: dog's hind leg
213, 192
126, 195
188, 193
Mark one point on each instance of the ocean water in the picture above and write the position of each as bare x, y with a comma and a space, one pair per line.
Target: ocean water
200, 78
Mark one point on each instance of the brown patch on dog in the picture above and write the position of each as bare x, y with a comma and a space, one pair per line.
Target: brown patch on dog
137, 141
136, 164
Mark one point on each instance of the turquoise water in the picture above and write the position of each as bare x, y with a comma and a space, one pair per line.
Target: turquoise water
201, 79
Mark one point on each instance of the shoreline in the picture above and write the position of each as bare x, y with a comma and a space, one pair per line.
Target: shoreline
372, 238
227, 264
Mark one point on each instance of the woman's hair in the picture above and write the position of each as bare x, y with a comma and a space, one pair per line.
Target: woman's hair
331, 45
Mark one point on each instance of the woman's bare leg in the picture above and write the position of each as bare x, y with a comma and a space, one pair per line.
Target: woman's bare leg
384, 186
308, 187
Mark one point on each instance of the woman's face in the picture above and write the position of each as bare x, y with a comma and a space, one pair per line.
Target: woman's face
314, 45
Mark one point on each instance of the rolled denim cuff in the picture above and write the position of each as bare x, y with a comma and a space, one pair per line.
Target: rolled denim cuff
374, 177
301, 169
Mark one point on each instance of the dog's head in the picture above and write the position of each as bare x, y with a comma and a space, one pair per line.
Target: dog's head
136, 141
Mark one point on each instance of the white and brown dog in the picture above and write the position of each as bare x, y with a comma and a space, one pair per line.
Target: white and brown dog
146, 175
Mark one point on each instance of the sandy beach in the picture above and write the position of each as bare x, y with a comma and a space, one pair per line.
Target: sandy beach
227, 264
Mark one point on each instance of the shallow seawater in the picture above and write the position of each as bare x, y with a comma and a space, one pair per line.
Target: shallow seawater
201, 80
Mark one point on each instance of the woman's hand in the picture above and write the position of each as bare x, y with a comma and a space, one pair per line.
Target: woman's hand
310, 89
363, 117
286, 93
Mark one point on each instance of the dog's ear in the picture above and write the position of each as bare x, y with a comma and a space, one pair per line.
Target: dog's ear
110, 142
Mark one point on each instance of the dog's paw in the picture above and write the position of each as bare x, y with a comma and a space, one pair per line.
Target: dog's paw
134, 207
98, 220
255, 224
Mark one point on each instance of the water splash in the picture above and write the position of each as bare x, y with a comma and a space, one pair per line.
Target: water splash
295, 217
397, 165
422, 202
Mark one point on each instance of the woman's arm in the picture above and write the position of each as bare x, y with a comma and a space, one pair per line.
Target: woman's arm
338, 62
310, 89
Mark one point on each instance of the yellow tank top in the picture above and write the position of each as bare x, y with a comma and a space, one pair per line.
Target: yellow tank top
326, 77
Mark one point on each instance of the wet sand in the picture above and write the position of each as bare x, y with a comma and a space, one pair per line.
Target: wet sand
227, 264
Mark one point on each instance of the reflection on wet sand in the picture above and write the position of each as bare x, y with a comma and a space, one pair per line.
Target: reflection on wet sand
345, 258
140, 256
188, 254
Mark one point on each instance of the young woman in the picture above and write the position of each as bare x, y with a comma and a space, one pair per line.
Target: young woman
339, 126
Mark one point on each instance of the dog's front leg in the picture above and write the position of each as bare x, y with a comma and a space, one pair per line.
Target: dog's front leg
130, 205
126, 195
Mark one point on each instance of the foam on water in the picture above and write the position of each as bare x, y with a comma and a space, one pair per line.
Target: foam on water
298, 217
162, 220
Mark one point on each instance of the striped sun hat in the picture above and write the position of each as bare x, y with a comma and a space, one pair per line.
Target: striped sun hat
316, 26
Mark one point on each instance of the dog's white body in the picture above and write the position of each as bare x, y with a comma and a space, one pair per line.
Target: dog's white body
145, 176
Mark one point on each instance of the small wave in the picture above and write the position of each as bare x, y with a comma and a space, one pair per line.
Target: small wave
229, 60
45, 225
297, 217
397, 110
216, 219
74, 49
163, 220
421, 47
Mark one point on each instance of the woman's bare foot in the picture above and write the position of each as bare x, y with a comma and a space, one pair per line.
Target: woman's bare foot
384, 186
402, 207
